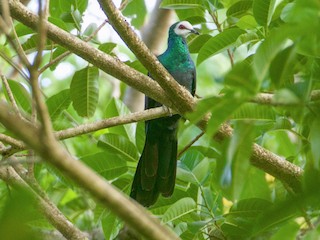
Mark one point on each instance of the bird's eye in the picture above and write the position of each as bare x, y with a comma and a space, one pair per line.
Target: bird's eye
182, 26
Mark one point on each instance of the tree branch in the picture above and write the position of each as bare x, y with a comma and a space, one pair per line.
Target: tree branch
51, 212
184, 102
261, 157
105, 62
91, 127
182, 99
131, 212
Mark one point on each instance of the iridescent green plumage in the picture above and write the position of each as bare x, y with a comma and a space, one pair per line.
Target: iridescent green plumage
156, 170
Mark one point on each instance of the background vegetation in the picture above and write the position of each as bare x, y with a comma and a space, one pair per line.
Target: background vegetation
258, 71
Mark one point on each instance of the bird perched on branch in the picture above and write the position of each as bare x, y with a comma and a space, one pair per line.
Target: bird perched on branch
156, 170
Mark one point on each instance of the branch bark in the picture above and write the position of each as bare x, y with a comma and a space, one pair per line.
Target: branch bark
145, 115
105, 62
157, 25
183, 101
54, 216
49, 149
288, 173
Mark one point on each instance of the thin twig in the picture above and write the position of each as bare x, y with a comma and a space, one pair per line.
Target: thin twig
67, 53
10, 95
13, 64
12, 141
91, 127
15, 44
190, 143
131, 212
219, 28
50, 211
42, 109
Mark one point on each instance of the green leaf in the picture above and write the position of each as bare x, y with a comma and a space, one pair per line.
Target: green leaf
190, 13
31, 45
219, 43
181, 4
117, 108
58, 102
193, 167
110, 226
179, 209
242, 79
242, 217
20, 94
140, 136
315, 142
22, 30
239, 8
137, 11
107, 164
196, 43
270, 48
84, 91
288, 231
251, 207
118, 144
107, 47
67, 6
221, 108
234, 166
90, 29
57, 52
247, 22
259, 188
17, 212
263, 10
254, 111
282, 68
222, 111
58, 22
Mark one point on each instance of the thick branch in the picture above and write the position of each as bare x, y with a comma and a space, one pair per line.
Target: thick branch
132, 213
114, 121
105, 62
152, 35
182, 99
184, 102
91, 127
141, 82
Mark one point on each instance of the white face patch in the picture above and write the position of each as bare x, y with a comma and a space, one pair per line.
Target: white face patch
183, 28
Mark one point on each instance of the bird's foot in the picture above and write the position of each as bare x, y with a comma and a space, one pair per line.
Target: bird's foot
167, 109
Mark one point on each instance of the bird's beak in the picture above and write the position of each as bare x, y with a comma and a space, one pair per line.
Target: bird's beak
194, 32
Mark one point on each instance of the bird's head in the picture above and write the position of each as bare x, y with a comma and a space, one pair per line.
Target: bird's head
182, 29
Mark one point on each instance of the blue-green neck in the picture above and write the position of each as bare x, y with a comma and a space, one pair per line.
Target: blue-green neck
176, 57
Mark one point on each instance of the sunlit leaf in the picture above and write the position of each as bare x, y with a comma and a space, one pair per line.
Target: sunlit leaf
219, 43
58, 102
179, 209
107, 47
181, 4
118, 144
137, 11
21, 95
196, 44
107, 164
282, 68
84, 91
263, 10
239, 8
117, 108
234, 166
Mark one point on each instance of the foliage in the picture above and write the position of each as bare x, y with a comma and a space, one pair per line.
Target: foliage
246, 47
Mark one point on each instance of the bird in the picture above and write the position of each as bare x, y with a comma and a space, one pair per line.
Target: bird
156, 169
